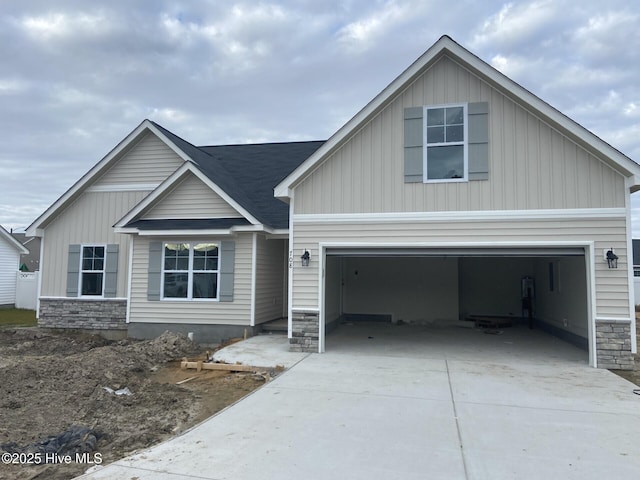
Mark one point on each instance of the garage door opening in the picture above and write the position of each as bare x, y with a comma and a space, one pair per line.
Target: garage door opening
456, 287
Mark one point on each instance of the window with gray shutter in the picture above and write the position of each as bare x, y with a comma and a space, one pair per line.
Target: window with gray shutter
191, 271
154, 273
434, 134
111, 271
73, 270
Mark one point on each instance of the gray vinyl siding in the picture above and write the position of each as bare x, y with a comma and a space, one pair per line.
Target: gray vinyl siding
192, 198
531, 165
149, 161
86, 221
9, 263
271, 265
237, 312
612, 295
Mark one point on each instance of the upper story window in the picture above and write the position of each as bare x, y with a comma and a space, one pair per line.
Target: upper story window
92, 273
190, 271
445, 145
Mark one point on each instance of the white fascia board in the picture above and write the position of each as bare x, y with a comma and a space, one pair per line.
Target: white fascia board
98, 169
194, 233
278, 234
13, 242
521, 95
466, 244
169, 183
446, 45
463, 216
283, 189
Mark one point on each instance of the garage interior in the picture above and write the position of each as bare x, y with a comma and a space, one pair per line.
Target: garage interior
455, 287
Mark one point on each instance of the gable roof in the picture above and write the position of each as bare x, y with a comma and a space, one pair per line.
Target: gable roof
446, 46
244, 174
13, 242
249, 172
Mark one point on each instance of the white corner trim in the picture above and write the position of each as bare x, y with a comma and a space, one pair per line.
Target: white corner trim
254, 269
129, 279
463, 216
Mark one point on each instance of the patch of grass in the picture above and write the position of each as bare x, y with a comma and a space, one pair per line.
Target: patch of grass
17, 317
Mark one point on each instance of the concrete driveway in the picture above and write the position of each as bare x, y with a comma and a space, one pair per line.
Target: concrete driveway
387, 403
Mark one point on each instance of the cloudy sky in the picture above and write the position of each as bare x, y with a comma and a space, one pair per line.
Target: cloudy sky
77, 76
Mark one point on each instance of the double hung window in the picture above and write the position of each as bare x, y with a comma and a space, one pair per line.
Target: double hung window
445, 145
190, 271
92, 272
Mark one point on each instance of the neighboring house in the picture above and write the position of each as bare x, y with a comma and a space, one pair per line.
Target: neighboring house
454, 192
10, 251
636, 259
636, 270
29, 262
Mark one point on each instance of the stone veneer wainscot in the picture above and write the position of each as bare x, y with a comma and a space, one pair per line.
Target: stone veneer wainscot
306, 331
613, 344
83, 313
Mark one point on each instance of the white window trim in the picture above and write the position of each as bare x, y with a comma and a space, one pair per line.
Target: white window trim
82, 270
190, 272
464, 143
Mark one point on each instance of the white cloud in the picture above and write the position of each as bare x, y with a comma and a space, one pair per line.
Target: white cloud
608, 35
365, 32
58, 24
515, 23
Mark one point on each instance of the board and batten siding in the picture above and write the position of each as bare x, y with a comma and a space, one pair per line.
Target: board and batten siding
271, 264
88, 220
192, 198
237, 312
9, 263
149, 161
531, 165
611, 285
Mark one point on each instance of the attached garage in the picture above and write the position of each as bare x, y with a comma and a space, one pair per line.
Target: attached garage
446, 286
443, 193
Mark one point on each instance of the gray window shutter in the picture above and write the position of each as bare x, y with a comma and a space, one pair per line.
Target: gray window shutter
154, 276
478, 141
73, 270
413, 140
227, 266
111, 271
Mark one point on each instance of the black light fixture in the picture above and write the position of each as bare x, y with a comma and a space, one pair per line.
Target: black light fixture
305, 258
612, 259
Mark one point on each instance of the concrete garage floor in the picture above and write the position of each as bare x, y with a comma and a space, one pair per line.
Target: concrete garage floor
415, 403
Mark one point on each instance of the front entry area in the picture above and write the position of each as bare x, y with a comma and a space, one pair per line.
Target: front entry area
543, 288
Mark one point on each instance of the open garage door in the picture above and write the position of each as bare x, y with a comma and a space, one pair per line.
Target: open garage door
447, 286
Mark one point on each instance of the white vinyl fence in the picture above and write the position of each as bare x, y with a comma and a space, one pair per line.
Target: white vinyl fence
27, 290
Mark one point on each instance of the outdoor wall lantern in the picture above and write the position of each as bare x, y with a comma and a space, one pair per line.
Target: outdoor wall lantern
305, 258
612, 259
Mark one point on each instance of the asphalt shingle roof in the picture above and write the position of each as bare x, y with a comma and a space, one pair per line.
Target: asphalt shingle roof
249, 172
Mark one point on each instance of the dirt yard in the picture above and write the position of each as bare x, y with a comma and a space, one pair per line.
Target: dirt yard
52, 383
631, 375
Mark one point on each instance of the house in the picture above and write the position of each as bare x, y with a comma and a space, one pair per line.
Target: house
454, 193
10, 251
31, 261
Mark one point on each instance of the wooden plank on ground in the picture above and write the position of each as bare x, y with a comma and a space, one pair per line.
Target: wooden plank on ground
219, 366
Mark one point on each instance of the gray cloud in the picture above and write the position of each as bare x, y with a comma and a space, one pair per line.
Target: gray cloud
76, 77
